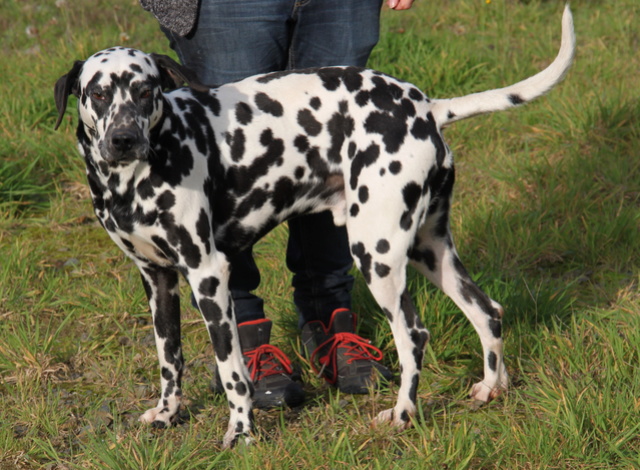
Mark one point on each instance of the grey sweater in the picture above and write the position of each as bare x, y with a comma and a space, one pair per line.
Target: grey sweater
178, 16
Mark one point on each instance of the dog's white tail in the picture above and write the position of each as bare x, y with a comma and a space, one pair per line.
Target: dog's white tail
446, 111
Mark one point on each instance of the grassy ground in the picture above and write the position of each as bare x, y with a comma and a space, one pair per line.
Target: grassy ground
546, 215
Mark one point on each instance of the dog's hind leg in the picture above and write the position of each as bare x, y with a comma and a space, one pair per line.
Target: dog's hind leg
384, 269
161, 286
435, 256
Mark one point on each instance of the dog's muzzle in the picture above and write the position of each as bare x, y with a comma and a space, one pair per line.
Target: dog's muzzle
124, 144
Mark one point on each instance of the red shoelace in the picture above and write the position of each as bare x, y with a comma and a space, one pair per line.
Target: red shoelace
357, 348
267, 360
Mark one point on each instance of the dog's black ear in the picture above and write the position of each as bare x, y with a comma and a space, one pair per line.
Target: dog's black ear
65, 86
173, 75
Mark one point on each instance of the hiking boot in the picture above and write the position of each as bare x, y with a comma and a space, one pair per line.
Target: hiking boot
277, 383
343, 358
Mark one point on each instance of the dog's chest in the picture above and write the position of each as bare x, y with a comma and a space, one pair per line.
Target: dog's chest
137, 232
156, 224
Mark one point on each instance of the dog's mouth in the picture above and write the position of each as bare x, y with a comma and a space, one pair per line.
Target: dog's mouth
125, 161
122, 159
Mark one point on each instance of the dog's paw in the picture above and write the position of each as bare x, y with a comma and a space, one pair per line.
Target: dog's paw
240, 430
399, 421
158, 417
484, 393
231, 439
492, 387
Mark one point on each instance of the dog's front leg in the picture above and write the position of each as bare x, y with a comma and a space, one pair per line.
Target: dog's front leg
161, 286
210, 288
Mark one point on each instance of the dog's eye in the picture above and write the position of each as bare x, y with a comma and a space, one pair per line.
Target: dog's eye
96, 95
144, 94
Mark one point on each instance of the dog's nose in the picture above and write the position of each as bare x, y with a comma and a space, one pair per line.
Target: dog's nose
123, 140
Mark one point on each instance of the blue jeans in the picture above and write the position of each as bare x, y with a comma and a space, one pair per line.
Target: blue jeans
238, 38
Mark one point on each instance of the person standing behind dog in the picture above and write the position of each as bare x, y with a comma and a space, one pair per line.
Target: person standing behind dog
224, 41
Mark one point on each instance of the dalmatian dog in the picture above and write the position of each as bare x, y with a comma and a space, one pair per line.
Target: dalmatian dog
182, 178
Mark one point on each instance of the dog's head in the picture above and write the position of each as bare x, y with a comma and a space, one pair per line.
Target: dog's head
120, 99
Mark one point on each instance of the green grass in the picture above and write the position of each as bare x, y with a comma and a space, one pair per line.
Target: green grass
546, 216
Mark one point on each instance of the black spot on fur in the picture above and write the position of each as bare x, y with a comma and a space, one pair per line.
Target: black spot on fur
515, 99
492, 361
425, 256
413, 390
496, 327
308, 122
236, 142
395, 167
315, 103
420, 129
382, 270
358, 250
268, 105
242, 178
302, 143
415, 94
440, 185
408, 107
178, 236
406, 305
351, 151
384, 95
352, 78
166, 201
411, 194
145, 189
283, 196
340, 126
382, 246
363, 194
239, 427
188, 249
165, 248
222, 341
431, 131
128, 244
361, 160
317, 164
331, 77
203, 229
393, 129
170, 171
255, 200
362, 98
472, 293
241, 388
209, 286
244, 114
